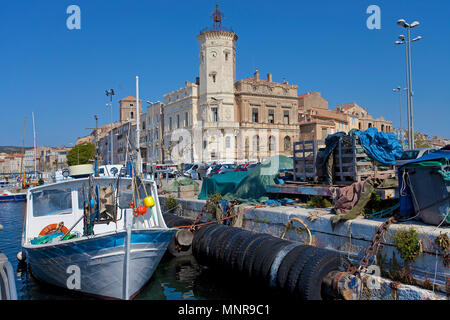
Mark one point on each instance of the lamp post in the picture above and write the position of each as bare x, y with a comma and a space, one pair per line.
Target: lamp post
110, 93
407, 43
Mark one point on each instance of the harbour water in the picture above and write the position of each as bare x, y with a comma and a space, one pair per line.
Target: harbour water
176, 278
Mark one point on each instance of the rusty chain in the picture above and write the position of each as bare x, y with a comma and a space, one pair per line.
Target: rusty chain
370, 251
205, 208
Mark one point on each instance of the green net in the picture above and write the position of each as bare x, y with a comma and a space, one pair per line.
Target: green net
182, 181
250, 186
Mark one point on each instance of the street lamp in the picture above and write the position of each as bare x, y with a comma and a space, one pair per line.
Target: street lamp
404, 24
110, 93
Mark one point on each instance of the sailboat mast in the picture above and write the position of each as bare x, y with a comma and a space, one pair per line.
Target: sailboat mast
23, 153
138, 131
34, 143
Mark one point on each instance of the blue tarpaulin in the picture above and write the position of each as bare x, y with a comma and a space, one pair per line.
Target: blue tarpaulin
382, 146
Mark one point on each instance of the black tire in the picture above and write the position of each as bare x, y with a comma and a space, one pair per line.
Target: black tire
225, 253
218, 244
309, 285
266, 265
243, 238
179, 221
241, 251
209, 243
199, 249
286, 265
298, 266
168, 218
260, 255
250, 253
197, 237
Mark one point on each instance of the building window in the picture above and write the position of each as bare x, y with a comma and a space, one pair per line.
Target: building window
271, 116
170, 123
131, 115
227, 142
178, 121
226, 56
271, 143
286, 117
186, 119
254, 115
215, 114
287, 143
255, 143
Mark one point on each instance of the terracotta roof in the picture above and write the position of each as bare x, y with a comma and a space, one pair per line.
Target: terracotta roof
129, 98
306, 94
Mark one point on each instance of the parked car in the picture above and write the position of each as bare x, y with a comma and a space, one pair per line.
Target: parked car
214, 170
252, 166
242, 167
203, 171
409, 155
226, 168
191, 171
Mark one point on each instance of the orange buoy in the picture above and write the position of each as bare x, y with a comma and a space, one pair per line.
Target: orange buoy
142, 210
52, 227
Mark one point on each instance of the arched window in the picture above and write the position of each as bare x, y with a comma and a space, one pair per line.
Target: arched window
287, 143
272, 144
255, 143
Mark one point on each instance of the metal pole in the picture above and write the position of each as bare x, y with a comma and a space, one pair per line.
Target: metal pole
34, 143
407, 96
400, 103
413, 145
112, 148
138, 157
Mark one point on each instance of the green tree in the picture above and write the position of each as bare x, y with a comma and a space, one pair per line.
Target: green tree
81, 154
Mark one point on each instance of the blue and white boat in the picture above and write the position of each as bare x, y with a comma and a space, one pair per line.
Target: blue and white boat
6, 195
81, 234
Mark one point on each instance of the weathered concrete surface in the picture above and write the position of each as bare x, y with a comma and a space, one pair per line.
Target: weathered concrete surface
351, 239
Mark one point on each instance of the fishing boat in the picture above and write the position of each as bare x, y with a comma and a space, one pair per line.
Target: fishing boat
103, 236
6, 196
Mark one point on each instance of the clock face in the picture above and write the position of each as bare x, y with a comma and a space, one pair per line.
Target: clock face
213, 54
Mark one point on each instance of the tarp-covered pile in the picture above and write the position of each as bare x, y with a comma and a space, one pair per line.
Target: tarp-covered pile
383, 147
246, 186
424, 188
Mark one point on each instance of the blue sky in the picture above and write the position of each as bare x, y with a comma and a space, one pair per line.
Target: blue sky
324, 46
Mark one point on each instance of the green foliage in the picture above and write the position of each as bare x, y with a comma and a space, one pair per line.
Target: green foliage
318, 202
170, 202
407, 243
213, 202
81, 154
375, 204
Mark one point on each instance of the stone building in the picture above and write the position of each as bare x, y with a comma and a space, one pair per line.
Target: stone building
128, 109
267, 113
316, 121
360, 119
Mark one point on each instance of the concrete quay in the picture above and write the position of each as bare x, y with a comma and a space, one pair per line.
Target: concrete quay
430, 276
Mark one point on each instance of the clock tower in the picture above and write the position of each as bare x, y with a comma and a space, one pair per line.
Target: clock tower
217, 71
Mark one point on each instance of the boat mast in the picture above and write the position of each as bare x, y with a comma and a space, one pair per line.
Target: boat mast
23, 153
138, 156
34, 143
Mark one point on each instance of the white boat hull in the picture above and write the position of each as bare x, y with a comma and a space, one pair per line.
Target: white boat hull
96, 265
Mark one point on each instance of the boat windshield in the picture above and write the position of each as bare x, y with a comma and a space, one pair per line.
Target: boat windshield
52, 202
